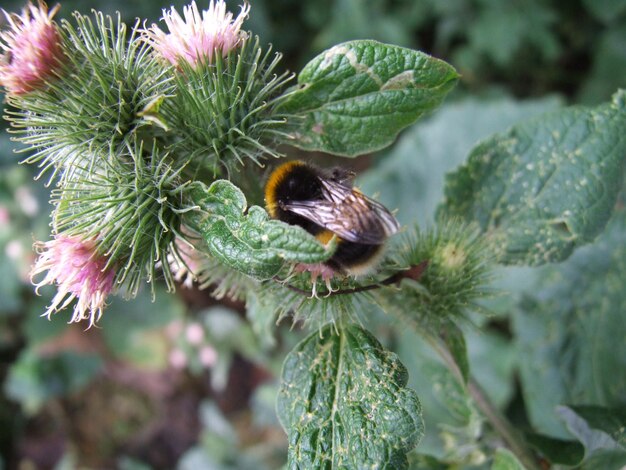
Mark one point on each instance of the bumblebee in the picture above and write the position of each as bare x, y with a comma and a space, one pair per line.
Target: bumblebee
325, 204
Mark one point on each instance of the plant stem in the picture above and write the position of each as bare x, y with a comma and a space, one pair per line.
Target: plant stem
412, 272
500, 423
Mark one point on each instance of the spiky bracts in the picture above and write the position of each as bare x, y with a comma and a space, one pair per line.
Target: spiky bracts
126, 121
226, 90
225, 113
456, 269
95, 106
132, 203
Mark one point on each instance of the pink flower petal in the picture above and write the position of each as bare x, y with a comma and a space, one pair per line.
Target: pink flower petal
79, 272
31, 49
197, 36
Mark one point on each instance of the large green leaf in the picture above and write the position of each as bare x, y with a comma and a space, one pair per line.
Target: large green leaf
610, 420
605, 459
343, 20
245, 238
571, 332
596, 427
501, 31
344, 403
357, 96
452, 421
547, 185
602, 433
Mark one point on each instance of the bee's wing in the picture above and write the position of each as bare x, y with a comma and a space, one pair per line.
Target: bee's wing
348, 213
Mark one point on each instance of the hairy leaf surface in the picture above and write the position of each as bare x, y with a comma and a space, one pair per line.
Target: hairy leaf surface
355, 97
546, 186
571, 332
344, 403
245, 238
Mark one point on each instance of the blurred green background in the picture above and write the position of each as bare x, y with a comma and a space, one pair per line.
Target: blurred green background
185, 382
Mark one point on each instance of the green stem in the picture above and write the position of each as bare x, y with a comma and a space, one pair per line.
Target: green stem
496, 418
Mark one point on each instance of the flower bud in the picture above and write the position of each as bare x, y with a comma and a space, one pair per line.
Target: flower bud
79, 272
458, 271
31, 49
198, 36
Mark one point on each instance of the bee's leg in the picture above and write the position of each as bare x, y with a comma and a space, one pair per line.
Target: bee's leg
314, 275
327, 276
317, 270
313, 289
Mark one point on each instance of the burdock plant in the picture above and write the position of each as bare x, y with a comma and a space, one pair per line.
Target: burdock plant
156, 138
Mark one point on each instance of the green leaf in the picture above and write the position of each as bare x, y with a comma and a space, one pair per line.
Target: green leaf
546, 186
570, 332
357, 96
605, 459
610, 420
595, 426
453, 423
505, 460
261, 312
502, 30
494, 361
557, 451
245, 238
343, 20
426, 462
344, 403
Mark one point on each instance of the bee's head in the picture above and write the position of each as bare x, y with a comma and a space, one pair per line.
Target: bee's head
291, 181
342, 176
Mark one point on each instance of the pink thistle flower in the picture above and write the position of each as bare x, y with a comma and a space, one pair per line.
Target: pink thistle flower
79, 273
197, 37
31, 49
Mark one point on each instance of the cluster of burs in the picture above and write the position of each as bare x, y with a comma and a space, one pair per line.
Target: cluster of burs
150, 139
